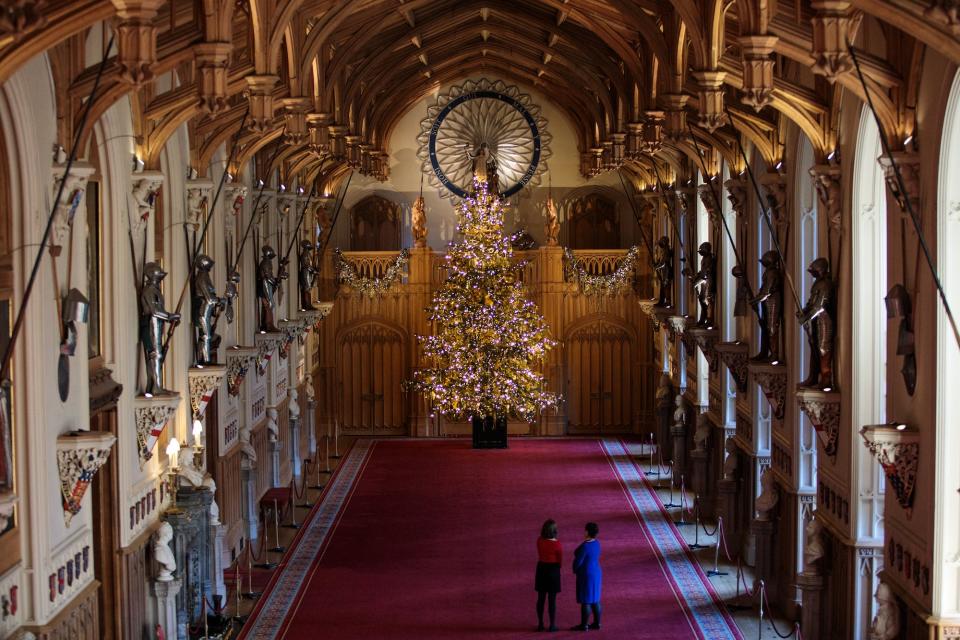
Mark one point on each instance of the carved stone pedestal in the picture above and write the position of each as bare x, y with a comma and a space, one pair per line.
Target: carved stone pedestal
192, 546
678, 435
165, 598
811, 591
735, 356
727, 509
295, 460
217, 533
310, 425
823, 409
706, 340
699, 482
275, 463
248, 480
763, 531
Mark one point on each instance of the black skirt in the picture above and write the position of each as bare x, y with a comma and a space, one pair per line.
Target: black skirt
548, 577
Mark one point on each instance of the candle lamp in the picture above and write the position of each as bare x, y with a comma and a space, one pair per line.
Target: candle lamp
173, 453
198, 441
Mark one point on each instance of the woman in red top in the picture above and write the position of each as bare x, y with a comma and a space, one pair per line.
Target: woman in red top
547, 582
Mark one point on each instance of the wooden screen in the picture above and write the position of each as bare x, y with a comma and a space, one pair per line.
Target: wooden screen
371, 371
600, 385
375, 225
594, 223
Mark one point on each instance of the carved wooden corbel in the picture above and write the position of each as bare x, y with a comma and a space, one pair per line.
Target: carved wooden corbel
758, 65
774, 188
706, 340
203, 382
826, 179
295, 112
710, 94
653, 131
136, 39
735, 356
833, 25
213, 66
144, 188
239, 360
72, 197
199, 191
260, 93
80, 455
675, 105
897, 448
737, 194
634, 140
823, 409
267, 343
150, 417
19, 19
772, 379
908, 162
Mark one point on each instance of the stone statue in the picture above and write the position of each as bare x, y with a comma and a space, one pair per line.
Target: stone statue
769, 495
419, 223
293, 406
732, 461
188, 469
230, 294
214, 516
818, 315
144, 194
705, 283
247, 452
813, 549
273, 428
207, 306
680, 413
153, 320
306, 275
166, 561
663, 268
702, 435
267, 285
886, 624
552, 228
308, 388
770, 297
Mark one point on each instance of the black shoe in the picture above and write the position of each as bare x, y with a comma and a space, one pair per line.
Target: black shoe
552, 628
595, 625
540, 627
579, 627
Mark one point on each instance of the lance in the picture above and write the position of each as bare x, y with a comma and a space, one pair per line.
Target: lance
906, 199
18, 323
199, 241
765, 215
296, 232
723, 219
636, 216
670, 214
336, 213
256, 205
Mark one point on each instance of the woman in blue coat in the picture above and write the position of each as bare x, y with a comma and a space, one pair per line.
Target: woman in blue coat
586, 564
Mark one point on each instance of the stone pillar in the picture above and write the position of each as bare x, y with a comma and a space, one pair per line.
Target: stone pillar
275, 463
762, 531
165, 598
295, 448
218, 587
811, 590
310, 426
248, 479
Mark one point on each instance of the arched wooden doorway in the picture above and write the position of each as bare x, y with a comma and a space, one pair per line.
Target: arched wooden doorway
601, 380
370, 373
375, 225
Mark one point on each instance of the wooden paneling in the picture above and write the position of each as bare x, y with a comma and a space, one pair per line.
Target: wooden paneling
372, 371
601, 390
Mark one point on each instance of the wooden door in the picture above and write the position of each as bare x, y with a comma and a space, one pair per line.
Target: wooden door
371, 372
600, 383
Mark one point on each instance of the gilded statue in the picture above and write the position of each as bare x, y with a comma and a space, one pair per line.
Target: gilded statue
207, 306
705, 284
663, 268
267, 285
552, 228
153, 320
770, 299
818, 315
419, 223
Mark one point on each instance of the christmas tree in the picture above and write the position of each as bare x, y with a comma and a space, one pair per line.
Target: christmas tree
488, 337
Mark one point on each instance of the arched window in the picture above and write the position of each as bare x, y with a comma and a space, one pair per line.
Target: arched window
375, 225
946, 584
594, 223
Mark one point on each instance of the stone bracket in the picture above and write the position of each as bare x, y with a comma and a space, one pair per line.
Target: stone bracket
772, 379
908, 162
72, 197
734, 355
239, 360
293, 330
267, 343
203, 382
706, 339
897, 448
80, 454
659, 316
198, 201
151, 416
823, 409
144, 188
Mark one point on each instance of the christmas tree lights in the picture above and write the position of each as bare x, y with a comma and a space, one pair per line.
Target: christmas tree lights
488, 337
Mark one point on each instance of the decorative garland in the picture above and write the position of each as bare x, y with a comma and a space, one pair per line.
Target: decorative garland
370, 287
608, 285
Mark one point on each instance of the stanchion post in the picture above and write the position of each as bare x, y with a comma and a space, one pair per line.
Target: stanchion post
276, 528
696, 525
319, 486
305, 504
682, 522
336, 440
651, 471
716, 551
671, 504
250, 594
760, 621
293, 510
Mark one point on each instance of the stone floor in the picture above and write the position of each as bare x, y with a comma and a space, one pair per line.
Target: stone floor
726, 585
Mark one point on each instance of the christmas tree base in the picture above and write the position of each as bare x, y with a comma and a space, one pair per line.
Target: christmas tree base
490, 432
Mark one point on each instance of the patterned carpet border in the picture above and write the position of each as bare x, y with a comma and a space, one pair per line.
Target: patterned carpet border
274, 606
703, 604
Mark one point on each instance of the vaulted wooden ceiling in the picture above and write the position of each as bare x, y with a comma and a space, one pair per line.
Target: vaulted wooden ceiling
329, 79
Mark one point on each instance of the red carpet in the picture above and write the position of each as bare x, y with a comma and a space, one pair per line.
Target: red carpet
431, 539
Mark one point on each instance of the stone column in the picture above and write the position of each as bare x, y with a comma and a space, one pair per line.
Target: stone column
217, 533
811, 590
274, 463
295, 447
165, 598
309, 425
248, 479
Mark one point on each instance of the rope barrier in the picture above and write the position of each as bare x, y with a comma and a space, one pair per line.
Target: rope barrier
773, 624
